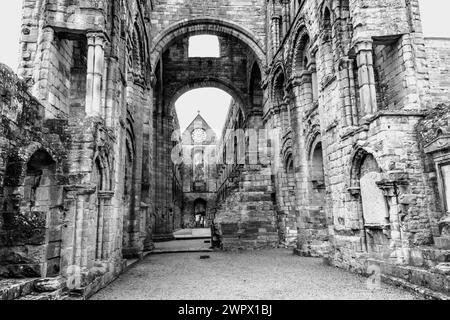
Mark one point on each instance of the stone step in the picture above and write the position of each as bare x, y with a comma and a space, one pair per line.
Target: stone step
436, 279
420, 290
189, 250
12, 289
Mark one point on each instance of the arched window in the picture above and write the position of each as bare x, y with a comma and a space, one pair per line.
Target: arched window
289, 164
97, 175
301, 55
256, 92
327, 19
317, 171
327, 44
40, 176
278, 89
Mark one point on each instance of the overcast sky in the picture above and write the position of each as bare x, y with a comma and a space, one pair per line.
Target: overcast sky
212, 103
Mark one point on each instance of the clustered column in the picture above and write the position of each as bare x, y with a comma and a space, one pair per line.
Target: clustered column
95, 68
314, 81
286, 17
103, 224
366, 77
347, 83
275, 33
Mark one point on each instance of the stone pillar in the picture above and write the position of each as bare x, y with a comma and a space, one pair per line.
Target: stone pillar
314, 81
366, 76
391, 186
345, 81
285, 16
110, 104
144, 229
275, 33
304, 90
74, 246
104, 224
95, 70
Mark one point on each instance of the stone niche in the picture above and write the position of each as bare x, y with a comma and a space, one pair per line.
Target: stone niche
31, 235
373, 200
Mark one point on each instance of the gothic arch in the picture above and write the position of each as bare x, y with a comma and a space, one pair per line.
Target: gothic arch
207, 26
300, 32
357, 159
17, 162
278, 85
103, 165
327, 14
256, 93
312, 136
287, 151
301, 56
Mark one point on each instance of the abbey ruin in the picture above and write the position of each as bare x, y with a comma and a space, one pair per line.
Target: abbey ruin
336, 144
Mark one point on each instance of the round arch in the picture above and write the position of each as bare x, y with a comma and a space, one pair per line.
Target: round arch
278, 83
300, 51
207, 83
299, 32
206, 26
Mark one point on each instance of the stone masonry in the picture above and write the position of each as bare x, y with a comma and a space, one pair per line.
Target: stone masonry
336, 144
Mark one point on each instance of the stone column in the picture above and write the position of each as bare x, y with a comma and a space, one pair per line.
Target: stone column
314, 81
285, 16
275, 33
75, 241
95, 69
345, 67
366, 76
103, 224
304, 89
144, 234
391, 184
110, 101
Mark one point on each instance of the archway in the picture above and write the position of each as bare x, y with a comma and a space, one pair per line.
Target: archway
206, 26
201, 114
239, 70
200, 213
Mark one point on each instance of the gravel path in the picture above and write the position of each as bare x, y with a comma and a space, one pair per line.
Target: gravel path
269, 274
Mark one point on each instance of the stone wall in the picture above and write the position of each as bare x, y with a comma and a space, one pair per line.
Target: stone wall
85, 176
31, 219
438, 60
352, 97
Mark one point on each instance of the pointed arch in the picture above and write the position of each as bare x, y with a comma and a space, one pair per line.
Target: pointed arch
255, 90
278, 85
301, 56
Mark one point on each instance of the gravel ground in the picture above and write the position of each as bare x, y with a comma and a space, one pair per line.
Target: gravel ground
269, 274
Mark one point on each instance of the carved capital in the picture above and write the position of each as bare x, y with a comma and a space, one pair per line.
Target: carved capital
363, 45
